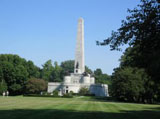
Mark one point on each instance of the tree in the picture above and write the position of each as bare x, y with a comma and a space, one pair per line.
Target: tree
98, 72
68, 66
33, 71
8, 74
1, 74
128, 60
35, 86
47, 70
15, 71
3, 87
16, 89
141, 30
101, 78
56, 73
14, 77
20, 76
88, 70
128, 84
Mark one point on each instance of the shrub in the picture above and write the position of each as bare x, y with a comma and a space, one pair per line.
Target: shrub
55, 93
84, 91
71, 93
68, 95
35, 86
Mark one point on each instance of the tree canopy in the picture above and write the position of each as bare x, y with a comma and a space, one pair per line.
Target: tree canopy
14, 72
141, 30
101, 77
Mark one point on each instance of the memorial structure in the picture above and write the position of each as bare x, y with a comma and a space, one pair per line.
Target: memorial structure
79, 79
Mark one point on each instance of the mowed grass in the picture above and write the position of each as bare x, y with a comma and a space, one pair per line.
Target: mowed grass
73, 108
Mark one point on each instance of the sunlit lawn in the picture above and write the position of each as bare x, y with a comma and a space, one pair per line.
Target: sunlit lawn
73, 108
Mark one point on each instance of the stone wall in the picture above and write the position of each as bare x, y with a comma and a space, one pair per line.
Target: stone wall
97, 89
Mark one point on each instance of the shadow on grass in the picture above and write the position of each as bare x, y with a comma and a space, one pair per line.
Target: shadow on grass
110, 99
72, 114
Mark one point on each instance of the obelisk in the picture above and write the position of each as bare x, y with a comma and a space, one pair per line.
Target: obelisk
79, 66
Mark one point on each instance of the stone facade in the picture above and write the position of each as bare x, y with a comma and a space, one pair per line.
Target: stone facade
75, 82
79, 79
79, 66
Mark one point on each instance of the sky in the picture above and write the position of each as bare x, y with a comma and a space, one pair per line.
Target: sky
39, 30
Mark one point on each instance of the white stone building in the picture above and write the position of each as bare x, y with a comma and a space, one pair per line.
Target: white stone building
79, 79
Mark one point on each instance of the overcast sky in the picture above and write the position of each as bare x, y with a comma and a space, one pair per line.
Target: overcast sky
40, 30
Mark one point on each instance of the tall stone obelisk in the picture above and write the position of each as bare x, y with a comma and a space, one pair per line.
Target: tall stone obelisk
79, 66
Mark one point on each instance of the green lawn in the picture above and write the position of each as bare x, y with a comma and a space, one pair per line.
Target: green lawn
73, 108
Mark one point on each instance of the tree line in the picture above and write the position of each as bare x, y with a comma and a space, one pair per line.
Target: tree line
137, 79
20, 76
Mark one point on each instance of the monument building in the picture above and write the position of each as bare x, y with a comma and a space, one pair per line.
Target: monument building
79, 79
